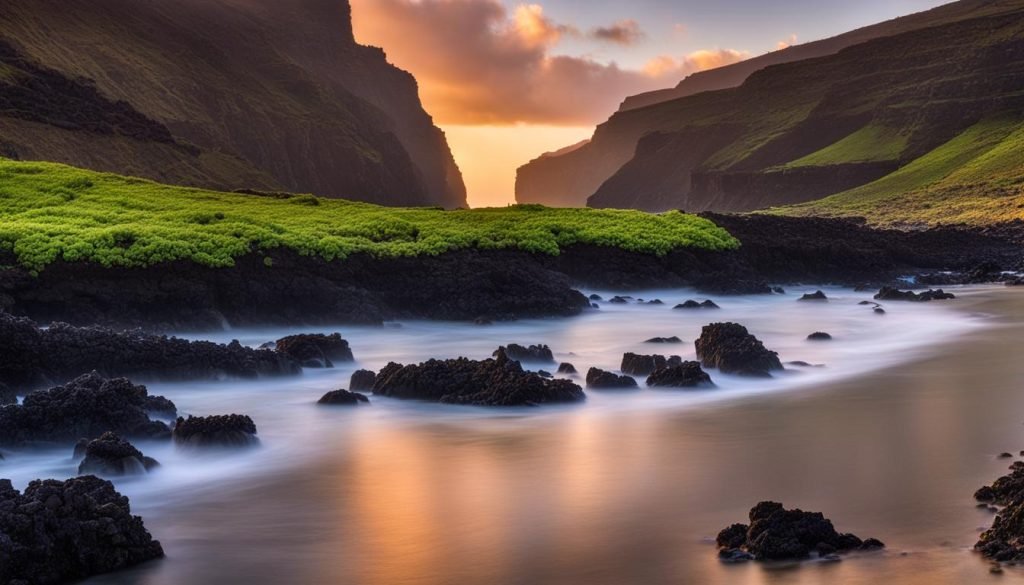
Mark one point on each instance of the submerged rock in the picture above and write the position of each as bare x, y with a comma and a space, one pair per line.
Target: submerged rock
733, 350
601, 379
88, 406
362, 380
814, 296
775, 533
500, 381
893, 294
534, 353
684, 375
343, 398
110, 455
229, 430
819, 336
315, 350
672, 339
566, 368
68, 530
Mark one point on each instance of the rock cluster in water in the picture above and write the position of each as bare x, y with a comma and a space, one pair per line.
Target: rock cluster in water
733, 350
643, 365
814, 296
597, 378
343, 398
681, 375
692, 304
500, 381
775, 533
110, 455
362, 381
534, 353
228, 430
892, 294
315, 350
1004, 541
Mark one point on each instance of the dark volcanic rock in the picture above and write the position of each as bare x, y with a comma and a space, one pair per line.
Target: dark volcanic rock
814, 296
533, 353
775, 533
893, 294
566, 368
7, 395
33, 355
230, 430
362, 380
619, 300
601, 379
642, 365
68, 530
315, 350
343, 398
733, 350
692, 304
672, 339
500, 381
819, 336
88, 406
111, 455
684, 375
1004, 541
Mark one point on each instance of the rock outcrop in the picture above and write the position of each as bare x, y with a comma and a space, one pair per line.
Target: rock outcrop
1004, 540
733, 350
642, 365
315, 350
362, 381
110, 455
893, 294
228, 430
681, 375
534, 353
343, 398
601, 379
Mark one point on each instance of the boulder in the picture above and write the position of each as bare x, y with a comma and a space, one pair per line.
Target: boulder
672, 339
641, 365
692, 304
88, 406
362, 380
500, 381
1004, 541
814, 296
315, 350
607, 380
819, 336
595, 297
110, 455
566, 368
230, 430
733, 350
887, 293
540, 354
343, 398
70, 530
775, 533
619, 300
684, 375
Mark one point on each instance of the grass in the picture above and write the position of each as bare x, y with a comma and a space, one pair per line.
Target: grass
51, 212
872, 143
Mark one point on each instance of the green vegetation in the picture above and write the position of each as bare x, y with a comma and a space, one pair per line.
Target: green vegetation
872, 143
975, 178
51, 212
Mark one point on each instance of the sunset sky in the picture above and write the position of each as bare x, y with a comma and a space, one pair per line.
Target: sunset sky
509, 80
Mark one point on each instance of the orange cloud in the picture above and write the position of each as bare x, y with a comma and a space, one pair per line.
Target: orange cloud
785, 44
479, 63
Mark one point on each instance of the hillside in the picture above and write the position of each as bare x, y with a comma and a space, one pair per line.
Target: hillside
657, 134
219, 93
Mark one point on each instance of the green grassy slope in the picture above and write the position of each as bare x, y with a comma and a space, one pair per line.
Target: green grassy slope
51, 212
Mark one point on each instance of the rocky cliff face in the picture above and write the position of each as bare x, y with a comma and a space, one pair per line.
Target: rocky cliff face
253, 93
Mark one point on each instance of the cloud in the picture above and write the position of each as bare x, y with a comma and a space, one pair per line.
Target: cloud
623, 32
479, 63
786, 43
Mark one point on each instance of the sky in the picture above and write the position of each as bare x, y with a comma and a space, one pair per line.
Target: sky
508, 80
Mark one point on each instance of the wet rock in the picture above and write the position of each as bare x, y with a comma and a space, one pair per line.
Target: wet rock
684, 375
88, 406
642, 365
1004, 541
775, 533
566, 368
595, 297
500, 381
618, 300
819, 336
814, 296
654, 302
535, 353
229, 430
7, 395
61, 531
362, 381
879, 311
672, 339
110, 455
692, 304
597, 378
343, 398
733, 350
315, 350
893, 294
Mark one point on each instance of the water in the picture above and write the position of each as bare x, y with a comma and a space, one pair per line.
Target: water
889, 438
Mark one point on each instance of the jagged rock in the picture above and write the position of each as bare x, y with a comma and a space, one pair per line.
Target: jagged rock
655, 302
500, 381
893, 294
775, 533
814, 296
343, 398
68, 530
315, 350
110, 455
692, 304
819, 336
230, 430
733, 350
566, 368
601, 379
642, 365
684, 375
362, 380
1004, 541
533, 353
88, 406
672, 339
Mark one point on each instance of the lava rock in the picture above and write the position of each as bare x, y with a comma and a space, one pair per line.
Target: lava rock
535, 353
819, 336
110, 455
672, 339
500, 381
566, 368
1004, 541
88, 406
814, 296
230, 430
315, 350
597, 378
643, 365
362, 380
684, 375
343, 398
733, 350
61, 531
893, 294
775, 533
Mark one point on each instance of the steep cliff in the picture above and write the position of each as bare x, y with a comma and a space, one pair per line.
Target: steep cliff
249, 94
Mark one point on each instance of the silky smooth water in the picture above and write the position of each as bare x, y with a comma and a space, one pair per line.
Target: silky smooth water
889, 438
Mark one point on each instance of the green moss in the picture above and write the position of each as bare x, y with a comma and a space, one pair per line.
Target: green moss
871, 143
51, 212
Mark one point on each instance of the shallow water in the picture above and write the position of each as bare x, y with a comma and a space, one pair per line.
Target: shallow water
889, 439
